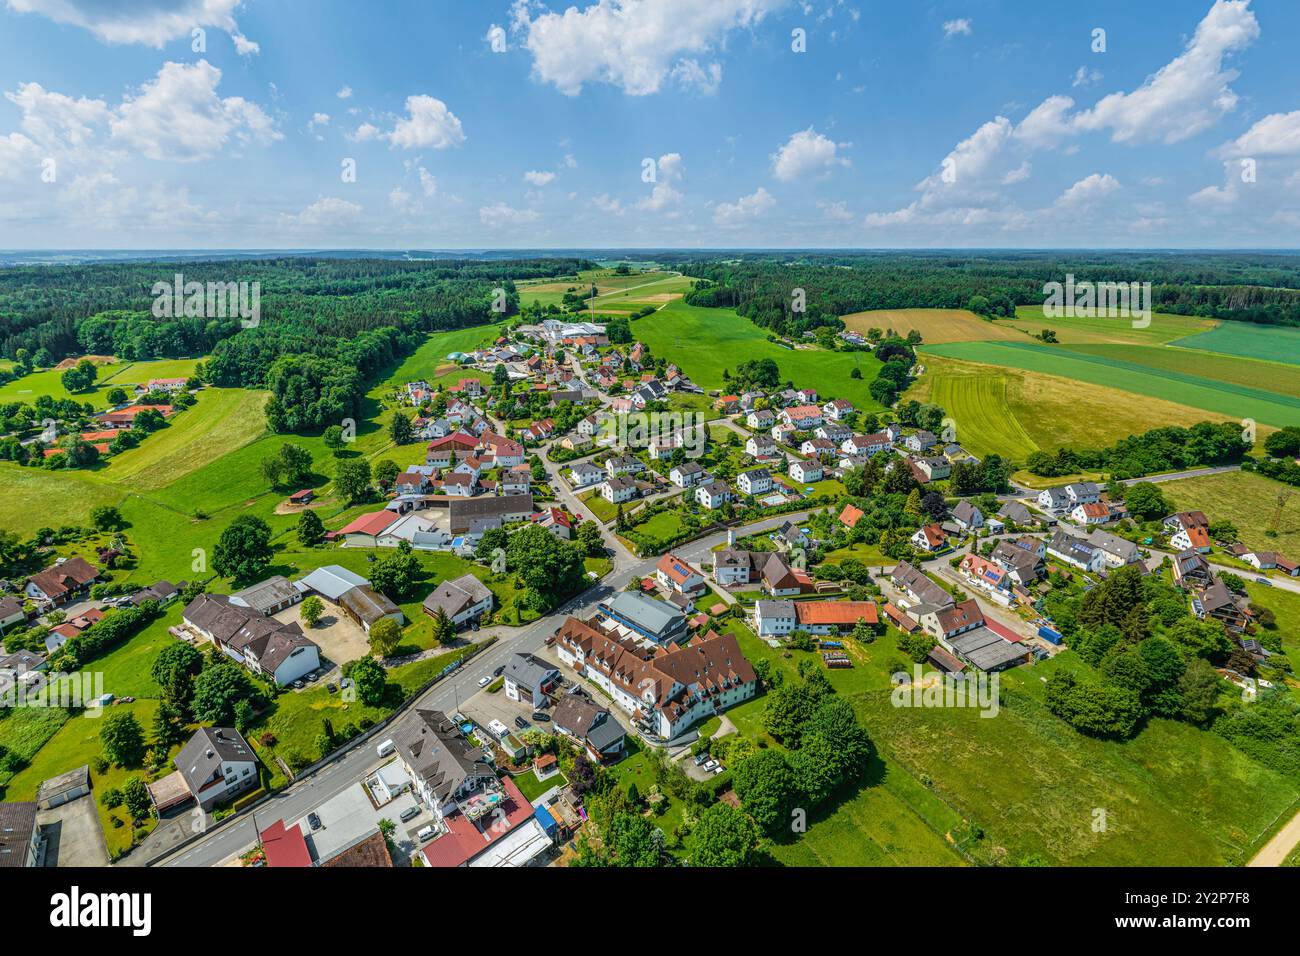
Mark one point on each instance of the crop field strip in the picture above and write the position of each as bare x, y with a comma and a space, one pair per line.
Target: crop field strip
1270, 343
1218, 397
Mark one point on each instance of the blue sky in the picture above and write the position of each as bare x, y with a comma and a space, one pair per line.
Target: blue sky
495, 124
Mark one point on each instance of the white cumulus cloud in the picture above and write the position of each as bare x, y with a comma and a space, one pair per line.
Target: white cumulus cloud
807, 151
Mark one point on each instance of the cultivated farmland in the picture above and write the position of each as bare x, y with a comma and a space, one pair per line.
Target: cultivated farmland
1268, 342
935, 325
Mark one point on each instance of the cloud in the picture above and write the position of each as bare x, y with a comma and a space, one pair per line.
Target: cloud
1086, 77
428, 184
244, 46
959, 27
364, 133
57, 121
428, 123
744, 208
1048, 124
178, 116
149, 22
327, 210
400, 199
1089, 189
498, 215
807, 151
608, 205
1188, 94
539, 177
345, 93
660, 198
835, 211
1017, 175
670, 166
632, 44
1277, 134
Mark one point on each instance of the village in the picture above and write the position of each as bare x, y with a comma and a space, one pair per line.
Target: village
762, 535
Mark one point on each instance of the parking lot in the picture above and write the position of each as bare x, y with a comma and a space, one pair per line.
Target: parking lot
352, 815
73, 835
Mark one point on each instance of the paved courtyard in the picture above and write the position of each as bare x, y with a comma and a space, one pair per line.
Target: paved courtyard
352, 815
73, 835
340, 638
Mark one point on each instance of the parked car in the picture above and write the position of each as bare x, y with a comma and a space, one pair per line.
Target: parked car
710, 764
541, 715
425, 834
313, 821
484, 681
410, 813
499, 671
330, 687
1264, 581
298, 685
521, 723
700, 758
386, 748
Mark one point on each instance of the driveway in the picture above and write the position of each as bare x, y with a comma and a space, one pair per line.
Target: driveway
73, 836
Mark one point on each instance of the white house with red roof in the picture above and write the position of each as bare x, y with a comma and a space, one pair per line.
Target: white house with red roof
930, 537
676, 575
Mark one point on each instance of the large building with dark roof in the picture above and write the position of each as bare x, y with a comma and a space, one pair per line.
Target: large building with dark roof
279, 651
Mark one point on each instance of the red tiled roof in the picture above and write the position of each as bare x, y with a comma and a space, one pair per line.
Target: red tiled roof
371, 524
285, 846
835, 612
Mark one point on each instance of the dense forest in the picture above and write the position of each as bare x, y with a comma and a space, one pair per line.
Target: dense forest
1252, 287
325, 326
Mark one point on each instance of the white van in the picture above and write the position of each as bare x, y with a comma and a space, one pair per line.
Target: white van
425, 834
386, 748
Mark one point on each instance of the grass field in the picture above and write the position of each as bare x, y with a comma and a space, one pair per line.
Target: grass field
1115, 331
1249, 501
935, 325
125, 374
1224, 399
1271, 343
706, 341
1276, 377
1012, 412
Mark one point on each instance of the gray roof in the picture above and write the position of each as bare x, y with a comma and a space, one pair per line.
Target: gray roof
965, 511
916, 582
528, 670
266, 595
656, 617
434, 748
331, 580
207, 750
17, 822
1015, 511
367, 604
68, 780
1122, 548
456, 595
986, 650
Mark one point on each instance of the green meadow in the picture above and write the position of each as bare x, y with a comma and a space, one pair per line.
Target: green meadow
704, 342
1268, 342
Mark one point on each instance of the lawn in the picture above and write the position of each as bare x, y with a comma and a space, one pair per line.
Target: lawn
707, 341
532, 788
1173, 795
1220, 399
1251, 502
24, 731
600, 506
1271, 343
77, 743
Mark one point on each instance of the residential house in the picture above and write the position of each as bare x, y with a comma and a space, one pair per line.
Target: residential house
367, 607
768, 568
1192, 571
760, 446
865, 445
986, 574
278, 651
464, 599
623, 465
447, 771
930, 537
217, 765
933, 469
714, 495
920, 442
850, 516
835, 434
1083, 493
1092, 513
687, 474
775, 618
1189, 529
918, 586
530, 680
555, 521
618, 490
1117, 551
949, 621
584, 474
806, 472
755, 481
761, 418
64, 580
1014, 512
674, 574
1075, 551
1055, 500
837, 410
593, 727
271, 596
1218, 603
802, 417
967, 516
817, 447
